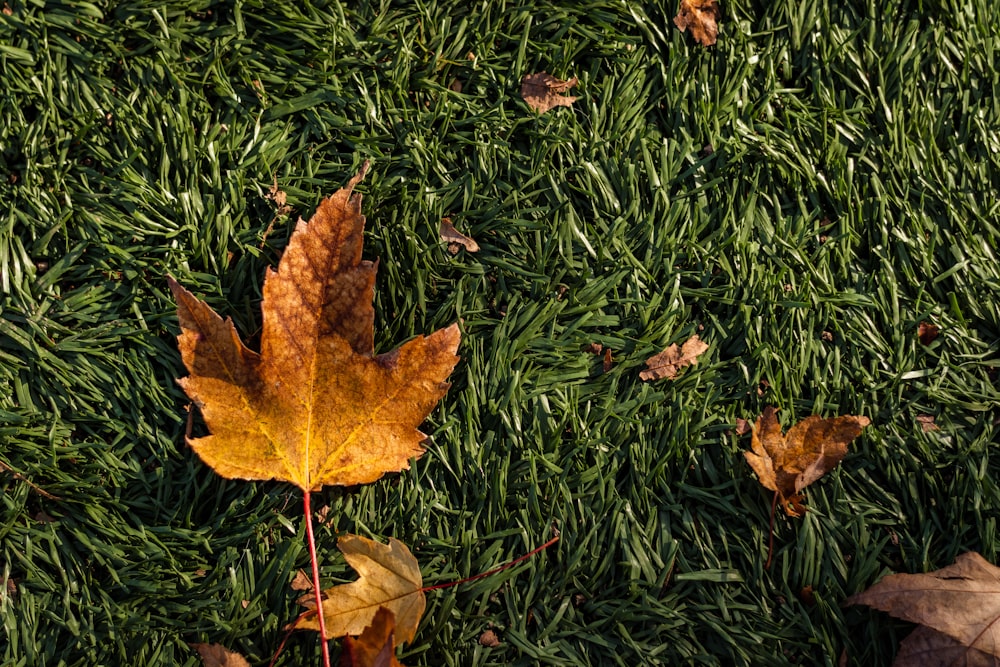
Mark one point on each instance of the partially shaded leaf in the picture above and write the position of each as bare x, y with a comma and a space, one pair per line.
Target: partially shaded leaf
217, 655
375, 647
961, 601
789, 463
389, 577
456, 239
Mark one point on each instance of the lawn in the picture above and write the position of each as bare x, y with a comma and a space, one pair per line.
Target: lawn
802, 195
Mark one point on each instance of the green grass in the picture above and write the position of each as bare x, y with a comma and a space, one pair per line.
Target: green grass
827, 167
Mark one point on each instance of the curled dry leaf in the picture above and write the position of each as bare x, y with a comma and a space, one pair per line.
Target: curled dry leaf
316, 406
666, 364
375, 647
542, 91
702, 17
456, 239
217, 655
957, 606
927, 332
389, 577
789, 463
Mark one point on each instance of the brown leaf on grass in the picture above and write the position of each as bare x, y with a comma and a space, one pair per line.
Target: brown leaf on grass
701, 16
456, 239
301, 582
489, 639
375, 647
389, 577
742, 426
542, 91
217, 655
927, 423
666, 364
927, 332
789, 463
594, 348
958, 607
316, 406
607, 363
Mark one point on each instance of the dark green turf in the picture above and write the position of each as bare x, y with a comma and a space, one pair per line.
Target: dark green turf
801, 195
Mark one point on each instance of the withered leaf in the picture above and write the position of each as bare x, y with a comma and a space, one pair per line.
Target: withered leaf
301, 582
389, 577
316, 406
607, 363
666, 364
959, 607
489, 639
375, 647
217, 655
927, 423
456, 239
789, 463
702, 17
927, 332
542, 91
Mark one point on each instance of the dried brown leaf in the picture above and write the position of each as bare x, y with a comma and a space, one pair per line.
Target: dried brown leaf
927, 423
927, 332
666, 364
301, 582
607, 363
702, 17
788, 463
489, 639
960, 604
456, 239
542, 91
217, 655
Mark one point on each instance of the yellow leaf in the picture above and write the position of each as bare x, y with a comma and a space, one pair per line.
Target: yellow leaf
389, 577
316, 406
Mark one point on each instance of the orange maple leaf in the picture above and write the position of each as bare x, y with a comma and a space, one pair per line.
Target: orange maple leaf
957, 607
375, 647
316, 406
389, 577
702, 17
788, 463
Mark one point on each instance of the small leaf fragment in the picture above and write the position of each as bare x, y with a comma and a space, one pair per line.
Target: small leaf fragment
375, 647
702, 17
301, 582
927, 332
456, 239
788, 463
666, 364
542, 91
217, 655
959, 604
927, 423
389, 577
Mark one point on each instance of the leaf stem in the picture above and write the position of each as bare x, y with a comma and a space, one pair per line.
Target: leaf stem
494, 570
311, 539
